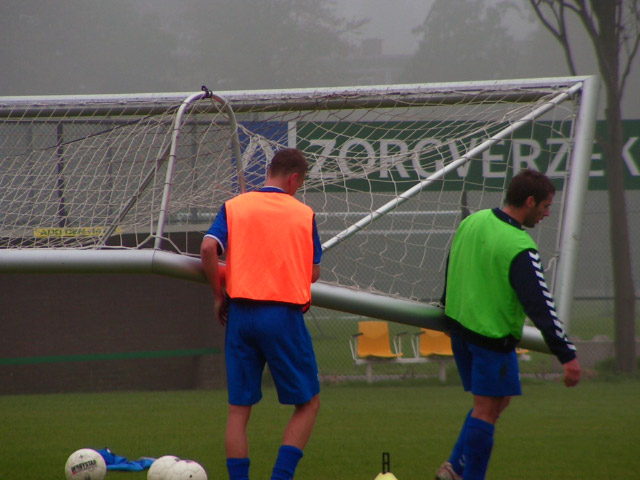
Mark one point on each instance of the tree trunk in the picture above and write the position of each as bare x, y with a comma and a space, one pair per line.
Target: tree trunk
608, 52
624, 290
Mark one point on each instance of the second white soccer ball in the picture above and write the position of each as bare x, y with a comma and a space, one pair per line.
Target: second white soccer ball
186, 470
159, 469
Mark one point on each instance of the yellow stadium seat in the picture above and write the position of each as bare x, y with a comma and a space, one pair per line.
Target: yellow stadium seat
433, 342
373, 340
523, 354
433, 345
373, 343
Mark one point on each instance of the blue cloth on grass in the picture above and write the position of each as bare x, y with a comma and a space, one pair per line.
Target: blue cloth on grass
116, 462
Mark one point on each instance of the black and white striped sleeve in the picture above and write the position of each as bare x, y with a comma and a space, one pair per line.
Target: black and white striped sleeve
527, 279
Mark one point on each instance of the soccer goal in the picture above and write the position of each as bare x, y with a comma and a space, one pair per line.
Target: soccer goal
129, 183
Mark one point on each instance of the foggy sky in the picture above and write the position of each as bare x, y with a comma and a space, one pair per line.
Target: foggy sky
392, 21
168, 50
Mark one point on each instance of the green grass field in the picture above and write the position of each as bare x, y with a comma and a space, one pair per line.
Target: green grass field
551, 432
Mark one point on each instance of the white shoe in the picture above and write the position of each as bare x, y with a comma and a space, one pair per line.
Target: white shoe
446, 472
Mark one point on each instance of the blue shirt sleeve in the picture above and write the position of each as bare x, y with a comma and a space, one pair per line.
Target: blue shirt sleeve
317, 246
219, 230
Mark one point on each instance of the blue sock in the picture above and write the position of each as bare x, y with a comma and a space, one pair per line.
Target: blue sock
285, 467
477, 448
238, 468
457, 459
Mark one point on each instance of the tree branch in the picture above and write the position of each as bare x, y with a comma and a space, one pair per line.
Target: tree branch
560, 30
631, 53
536, 5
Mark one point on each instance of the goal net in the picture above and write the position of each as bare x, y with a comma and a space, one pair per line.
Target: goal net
103, 181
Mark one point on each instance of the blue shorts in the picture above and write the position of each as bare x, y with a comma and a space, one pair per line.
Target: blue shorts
273, 334
486, 372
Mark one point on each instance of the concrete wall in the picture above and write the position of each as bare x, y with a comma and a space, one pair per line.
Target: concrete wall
47, 318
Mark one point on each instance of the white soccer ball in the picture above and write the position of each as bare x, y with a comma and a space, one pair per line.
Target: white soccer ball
160, 467
85, 464
186, 470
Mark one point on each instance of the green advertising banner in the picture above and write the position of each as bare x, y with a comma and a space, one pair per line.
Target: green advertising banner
630, 157
353, 149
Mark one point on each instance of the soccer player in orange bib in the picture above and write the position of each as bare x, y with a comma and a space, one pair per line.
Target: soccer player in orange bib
273, 254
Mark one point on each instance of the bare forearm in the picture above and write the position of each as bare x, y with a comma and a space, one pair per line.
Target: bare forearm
209, 259
315, 273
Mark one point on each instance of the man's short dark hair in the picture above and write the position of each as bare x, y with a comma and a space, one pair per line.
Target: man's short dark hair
529, 183
286, 161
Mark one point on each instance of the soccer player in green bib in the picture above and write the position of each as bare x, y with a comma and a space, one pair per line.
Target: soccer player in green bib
494, 281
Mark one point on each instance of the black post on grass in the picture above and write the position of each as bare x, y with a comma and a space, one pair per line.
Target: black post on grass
386, 462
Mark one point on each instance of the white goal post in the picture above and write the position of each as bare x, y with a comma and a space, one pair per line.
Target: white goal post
129, 183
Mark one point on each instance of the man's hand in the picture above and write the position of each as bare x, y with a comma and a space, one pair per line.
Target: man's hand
572, 373
221, 309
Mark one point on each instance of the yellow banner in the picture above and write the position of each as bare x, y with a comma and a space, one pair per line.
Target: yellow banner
59, 232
